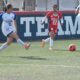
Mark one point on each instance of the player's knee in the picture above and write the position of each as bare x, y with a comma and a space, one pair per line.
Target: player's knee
52, 37
9, 41
14, 35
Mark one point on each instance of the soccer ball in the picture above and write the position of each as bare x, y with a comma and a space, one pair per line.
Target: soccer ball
72, 47
26, 45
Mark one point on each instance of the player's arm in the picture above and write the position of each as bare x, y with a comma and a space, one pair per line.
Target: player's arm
0, 17
77, 9
61, 18
44, 18
61, 21
14, 22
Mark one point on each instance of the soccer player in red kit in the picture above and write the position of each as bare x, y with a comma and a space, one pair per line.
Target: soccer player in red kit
53, 16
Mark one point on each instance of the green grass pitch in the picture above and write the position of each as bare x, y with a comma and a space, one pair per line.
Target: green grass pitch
39, 63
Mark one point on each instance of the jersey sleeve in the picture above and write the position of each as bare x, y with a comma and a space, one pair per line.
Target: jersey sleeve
49, 14
60, 15
1, 16
14, 16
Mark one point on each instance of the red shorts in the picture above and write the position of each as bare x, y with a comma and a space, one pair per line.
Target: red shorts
53, 30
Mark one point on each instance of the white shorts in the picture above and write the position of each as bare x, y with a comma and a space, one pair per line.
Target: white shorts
7, 30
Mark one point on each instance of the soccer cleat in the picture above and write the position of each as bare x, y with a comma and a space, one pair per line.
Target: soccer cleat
26, 45
50, 49
42, 43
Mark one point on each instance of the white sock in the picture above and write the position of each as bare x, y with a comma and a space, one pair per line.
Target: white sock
19, 41
51, 42
4, 46
47, 40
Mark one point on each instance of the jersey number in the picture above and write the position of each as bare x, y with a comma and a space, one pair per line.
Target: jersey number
55, 21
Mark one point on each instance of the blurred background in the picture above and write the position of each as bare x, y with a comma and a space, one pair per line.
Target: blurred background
26, 15
40, 5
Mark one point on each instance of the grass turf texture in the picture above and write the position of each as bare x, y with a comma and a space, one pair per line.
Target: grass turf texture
39, 63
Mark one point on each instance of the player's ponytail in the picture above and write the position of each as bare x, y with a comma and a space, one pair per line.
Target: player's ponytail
4, 9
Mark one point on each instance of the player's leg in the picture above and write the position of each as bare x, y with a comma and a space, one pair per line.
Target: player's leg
6, 44
45, 41
19, 41
52, 36
6, 31
49, 39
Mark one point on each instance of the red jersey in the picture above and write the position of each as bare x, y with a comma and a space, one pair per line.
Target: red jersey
53, 19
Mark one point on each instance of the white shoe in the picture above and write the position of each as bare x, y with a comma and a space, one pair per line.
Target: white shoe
50, 49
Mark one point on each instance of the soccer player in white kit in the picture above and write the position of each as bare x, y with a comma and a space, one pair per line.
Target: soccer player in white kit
9, 28
78, 11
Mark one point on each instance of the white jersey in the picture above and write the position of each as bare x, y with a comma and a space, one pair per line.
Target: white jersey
78, 8
7, 24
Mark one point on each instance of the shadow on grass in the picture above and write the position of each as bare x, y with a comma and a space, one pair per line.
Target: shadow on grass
27, 57
33, 58
38, 57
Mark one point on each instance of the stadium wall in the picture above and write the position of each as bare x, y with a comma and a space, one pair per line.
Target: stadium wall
30, 28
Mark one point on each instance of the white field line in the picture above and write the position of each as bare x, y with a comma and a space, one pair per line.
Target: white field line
42, 65
64, 47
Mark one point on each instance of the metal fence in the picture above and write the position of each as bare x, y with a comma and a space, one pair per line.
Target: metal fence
40, 5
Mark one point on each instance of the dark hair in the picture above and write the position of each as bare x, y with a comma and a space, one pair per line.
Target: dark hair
4, 9
55, 6
9, 6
